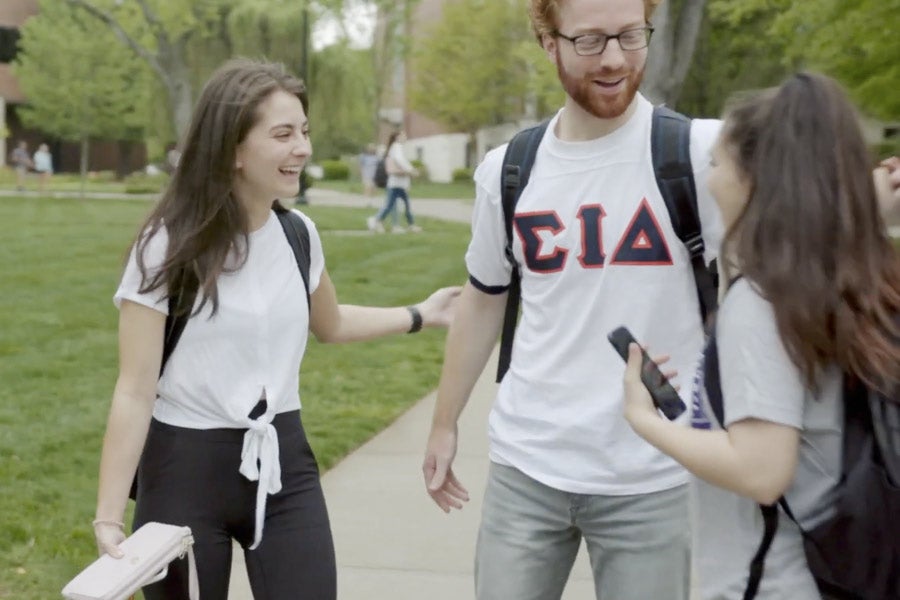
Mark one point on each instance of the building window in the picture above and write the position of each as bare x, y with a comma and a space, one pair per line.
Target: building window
9, 38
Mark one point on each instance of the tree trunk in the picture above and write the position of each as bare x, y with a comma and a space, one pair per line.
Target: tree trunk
123, 159
169, 63
672, 50
177, 80
83, 162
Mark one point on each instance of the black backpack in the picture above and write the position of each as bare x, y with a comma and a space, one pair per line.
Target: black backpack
381, 176
670, 136
297, 234
854, 554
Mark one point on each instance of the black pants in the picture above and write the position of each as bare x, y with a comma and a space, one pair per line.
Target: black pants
190, 477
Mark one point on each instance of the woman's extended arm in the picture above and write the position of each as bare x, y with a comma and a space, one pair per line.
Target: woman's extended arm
753, 458
331, 322
140, 354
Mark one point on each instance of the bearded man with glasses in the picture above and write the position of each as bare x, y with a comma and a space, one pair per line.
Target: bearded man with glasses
596, 249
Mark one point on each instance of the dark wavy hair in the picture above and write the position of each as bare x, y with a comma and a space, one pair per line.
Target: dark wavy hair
811, 238
203, 219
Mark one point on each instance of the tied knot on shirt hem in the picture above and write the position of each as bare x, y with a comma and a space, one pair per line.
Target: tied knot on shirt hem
260, 461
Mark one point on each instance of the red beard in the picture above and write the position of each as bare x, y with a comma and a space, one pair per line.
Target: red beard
586, 94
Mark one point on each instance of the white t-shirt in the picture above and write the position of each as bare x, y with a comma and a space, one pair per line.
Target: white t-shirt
401, 180
251, 348
601, 253
759, 380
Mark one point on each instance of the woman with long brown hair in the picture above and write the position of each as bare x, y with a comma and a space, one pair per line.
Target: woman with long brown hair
399, 171
218, 434
814, 289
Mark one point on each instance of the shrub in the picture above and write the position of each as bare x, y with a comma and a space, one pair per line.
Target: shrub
141, 183
335, 170
423, 170
462, 174
101, 176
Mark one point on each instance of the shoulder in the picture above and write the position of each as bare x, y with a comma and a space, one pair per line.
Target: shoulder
745, 303
746, 321
151, 243
703, 134
487, 175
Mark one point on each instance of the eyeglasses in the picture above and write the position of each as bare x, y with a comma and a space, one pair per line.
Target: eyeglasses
595, 43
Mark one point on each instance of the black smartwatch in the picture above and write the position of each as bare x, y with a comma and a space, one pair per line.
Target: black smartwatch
416, 319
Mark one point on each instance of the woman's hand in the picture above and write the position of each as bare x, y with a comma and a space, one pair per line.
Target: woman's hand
638, 403
109, 535
887, 185
438, 309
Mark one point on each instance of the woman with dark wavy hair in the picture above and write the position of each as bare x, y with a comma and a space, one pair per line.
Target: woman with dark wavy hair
814, 289
218, 435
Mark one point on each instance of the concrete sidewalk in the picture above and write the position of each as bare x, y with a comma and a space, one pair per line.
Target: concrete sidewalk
392, 542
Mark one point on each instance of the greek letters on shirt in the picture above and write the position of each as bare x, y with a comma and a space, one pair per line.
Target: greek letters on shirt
642, 244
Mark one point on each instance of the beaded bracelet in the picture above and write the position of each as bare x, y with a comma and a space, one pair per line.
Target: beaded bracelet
118, 524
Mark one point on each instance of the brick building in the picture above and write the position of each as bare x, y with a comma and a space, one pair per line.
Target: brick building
440, 149
123, 157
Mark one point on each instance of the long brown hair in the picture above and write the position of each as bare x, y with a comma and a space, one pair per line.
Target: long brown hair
811, 238
203, 219
391, 139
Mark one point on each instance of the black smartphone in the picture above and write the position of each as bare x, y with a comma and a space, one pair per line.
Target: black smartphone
665, 398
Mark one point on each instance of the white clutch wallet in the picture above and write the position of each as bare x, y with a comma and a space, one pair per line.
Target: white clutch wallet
148, 552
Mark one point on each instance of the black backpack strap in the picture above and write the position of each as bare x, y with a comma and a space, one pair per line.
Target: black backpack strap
517, 163
886, 429
670, 146
180, 307
884, 408
712, 379
757, 564
297, 234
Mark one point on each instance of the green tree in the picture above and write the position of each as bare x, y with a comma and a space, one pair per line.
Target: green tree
93, 89
731, 56
339, 77
341, 100
158, 32
475, 72
855, 42
390, 48
676, 29
182, 42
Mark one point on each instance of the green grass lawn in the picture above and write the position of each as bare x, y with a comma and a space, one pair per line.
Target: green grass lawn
105, 182
61, 261
457, 190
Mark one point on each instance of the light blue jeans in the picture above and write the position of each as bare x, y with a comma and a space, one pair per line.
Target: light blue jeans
639, 545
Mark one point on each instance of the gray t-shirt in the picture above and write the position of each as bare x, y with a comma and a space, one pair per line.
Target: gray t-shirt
759, 380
